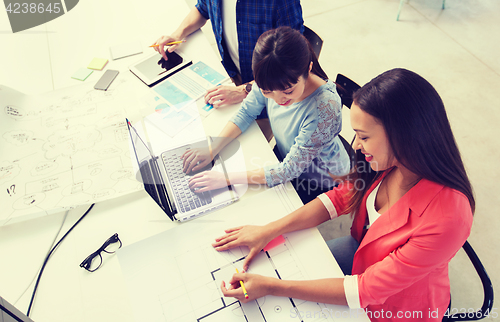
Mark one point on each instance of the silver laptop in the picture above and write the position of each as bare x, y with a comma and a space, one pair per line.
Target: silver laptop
8, 313
168, 185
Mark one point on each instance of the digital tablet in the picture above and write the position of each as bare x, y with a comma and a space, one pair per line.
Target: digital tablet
155, 68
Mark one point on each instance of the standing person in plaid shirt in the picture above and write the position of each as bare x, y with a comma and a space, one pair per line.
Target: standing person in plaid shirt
237, 24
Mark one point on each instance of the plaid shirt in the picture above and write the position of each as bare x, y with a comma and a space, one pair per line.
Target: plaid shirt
253, 18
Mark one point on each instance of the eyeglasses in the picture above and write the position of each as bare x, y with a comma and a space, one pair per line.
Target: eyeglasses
94, 260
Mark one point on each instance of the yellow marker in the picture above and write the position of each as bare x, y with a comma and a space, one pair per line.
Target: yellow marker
243, 287
170, 43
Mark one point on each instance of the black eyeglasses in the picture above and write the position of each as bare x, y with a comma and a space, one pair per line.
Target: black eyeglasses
94, 260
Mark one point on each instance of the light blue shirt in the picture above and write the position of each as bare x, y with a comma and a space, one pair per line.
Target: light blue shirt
306, 133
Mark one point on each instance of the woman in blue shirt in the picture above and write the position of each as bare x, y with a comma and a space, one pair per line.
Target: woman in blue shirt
305, 114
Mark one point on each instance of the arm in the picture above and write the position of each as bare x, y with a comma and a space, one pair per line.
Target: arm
329, 290
193, 21
196, 159
256, 237
226, 95
211, 180
250, 108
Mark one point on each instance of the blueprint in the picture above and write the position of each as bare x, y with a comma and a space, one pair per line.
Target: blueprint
62, 149
176, 275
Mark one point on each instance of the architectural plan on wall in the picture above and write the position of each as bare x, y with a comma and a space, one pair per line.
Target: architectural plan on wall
176, 275
61, 149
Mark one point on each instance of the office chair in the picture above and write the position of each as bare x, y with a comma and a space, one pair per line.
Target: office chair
401, 6
346, 87
487, 287
314, 39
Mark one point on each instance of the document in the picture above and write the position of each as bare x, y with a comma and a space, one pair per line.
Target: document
61, 149
178, 100
176, 275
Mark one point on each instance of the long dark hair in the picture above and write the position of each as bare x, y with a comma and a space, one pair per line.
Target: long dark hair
418, 130
280, 57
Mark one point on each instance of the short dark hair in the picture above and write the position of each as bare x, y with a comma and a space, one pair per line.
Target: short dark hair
280, 57
417, 127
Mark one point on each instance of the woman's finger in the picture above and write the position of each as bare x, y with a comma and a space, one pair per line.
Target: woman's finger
228, 245
236, 293
246, 263
215, 98
233, 229
232, 233
224, 241
219, 103
188, 159
186, 154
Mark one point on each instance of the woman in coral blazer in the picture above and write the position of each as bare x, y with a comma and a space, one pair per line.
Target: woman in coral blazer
412, 204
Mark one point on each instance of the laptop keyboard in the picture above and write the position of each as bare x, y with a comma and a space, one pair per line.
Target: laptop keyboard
187, 199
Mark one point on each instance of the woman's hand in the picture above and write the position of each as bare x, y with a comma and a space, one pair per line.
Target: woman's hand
208, 180
162, 42
225, 95
256, 286
196, 159
254, 237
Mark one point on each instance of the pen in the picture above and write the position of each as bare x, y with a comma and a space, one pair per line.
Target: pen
243, 286
170, 43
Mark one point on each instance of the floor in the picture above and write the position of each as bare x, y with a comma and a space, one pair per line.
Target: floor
458, 51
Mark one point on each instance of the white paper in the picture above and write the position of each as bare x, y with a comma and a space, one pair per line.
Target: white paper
176, 275
177, 101
125, 50
62, 149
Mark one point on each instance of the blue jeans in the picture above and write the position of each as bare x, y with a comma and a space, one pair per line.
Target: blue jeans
343, 249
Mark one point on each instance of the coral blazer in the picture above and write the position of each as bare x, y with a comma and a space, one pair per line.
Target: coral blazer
402, 260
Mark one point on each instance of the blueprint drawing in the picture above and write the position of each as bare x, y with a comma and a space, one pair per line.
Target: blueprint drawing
176, 275
62, 149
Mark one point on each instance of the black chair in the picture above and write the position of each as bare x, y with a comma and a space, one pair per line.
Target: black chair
346, 87
485, 310
314, 39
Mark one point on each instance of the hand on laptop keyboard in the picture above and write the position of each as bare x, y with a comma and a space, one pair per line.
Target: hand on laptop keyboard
207, 180
197, 160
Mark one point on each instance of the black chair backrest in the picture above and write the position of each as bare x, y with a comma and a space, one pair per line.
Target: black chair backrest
485, 310
314, 39
346, 87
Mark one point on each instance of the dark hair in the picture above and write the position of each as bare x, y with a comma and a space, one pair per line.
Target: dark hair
280, 57
418, 130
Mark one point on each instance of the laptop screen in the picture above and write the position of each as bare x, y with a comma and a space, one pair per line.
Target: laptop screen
149, 173
8, 313
141, 150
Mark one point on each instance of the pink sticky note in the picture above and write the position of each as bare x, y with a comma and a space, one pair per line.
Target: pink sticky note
275, 242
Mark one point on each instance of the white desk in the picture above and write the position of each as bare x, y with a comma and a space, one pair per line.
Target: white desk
43, 59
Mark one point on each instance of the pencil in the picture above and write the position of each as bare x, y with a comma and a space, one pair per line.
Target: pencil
243, 287
170, 43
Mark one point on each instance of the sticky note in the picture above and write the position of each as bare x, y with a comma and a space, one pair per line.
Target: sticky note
82, 74
97, 63
275, 242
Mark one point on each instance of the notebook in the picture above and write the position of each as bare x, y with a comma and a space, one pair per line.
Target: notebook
167, 184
